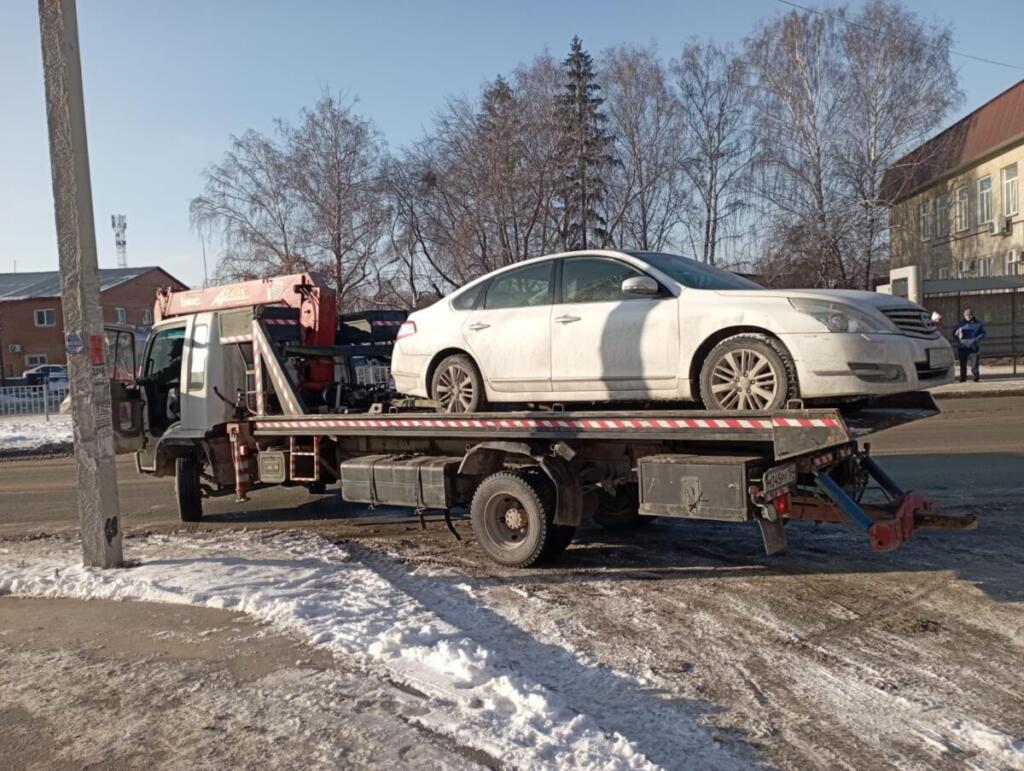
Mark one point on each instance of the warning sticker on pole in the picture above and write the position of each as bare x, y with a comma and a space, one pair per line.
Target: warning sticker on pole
73, 342
96, 354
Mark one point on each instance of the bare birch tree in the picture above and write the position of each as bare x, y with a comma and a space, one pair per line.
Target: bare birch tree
250, 205
714, 99
646, 196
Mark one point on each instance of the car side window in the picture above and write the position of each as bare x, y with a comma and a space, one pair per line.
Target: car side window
467, 300
592, 279
526, 286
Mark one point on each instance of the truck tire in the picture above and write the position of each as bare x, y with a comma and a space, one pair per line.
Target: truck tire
747, 373
186, 489
512, 516
458, 385
621, 510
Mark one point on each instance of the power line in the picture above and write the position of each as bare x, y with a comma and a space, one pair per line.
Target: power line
881, 32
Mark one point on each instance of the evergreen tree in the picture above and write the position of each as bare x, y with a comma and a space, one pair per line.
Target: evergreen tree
586, 153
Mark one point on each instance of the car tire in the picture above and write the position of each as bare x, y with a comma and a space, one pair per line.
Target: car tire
748, 373
457, 385
187, 491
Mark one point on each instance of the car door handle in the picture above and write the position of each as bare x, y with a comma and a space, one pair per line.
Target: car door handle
566, 319
478, 326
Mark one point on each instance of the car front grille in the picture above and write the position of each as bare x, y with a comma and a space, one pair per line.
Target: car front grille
912, 322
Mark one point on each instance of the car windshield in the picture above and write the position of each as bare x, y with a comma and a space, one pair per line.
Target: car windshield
693, 274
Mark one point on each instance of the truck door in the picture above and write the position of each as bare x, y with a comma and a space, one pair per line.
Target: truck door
125, 396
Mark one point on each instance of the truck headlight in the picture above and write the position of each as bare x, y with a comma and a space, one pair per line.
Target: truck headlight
840, 317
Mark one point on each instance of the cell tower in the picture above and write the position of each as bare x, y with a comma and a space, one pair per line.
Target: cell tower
120, 224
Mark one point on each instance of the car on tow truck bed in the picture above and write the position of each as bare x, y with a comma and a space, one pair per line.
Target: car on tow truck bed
614, 326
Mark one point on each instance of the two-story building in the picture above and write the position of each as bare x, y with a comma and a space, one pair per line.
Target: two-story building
955, 201
32, 322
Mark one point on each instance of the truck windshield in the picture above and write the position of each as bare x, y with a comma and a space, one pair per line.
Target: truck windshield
693, 274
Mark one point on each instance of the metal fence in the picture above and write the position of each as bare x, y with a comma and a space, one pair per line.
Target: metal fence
1001, 312
32, 399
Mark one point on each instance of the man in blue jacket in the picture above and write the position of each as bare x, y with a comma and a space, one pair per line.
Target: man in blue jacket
969, 333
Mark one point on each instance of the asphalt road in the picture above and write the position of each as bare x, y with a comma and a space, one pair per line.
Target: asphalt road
972, 451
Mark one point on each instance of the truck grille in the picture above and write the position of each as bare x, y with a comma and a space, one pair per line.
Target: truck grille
911, 322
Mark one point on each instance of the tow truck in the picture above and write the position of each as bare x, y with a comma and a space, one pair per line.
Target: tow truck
263, 383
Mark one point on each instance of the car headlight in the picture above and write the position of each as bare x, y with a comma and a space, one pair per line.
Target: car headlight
840, 317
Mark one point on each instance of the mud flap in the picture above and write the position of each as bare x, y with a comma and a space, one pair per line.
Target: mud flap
773, 533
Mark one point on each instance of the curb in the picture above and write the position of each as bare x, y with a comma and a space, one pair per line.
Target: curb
968, 394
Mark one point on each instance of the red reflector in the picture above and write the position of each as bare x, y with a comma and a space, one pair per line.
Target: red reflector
781, 504
408, 329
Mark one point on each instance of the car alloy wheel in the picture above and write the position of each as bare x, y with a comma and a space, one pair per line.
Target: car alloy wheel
455, 389
744, 379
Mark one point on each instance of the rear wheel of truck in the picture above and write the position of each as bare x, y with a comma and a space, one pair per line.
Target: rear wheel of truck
513, 519
186, 489
620, 511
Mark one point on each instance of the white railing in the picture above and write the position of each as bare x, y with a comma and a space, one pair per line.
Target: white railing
32, 399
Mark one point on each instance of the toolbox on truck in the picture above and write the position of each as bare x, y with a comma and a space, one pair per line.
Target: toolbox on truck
423, 482
697, 486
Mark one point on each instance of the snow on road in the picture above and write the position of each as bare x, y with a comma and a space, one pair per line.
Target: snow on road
24, 433
491, 686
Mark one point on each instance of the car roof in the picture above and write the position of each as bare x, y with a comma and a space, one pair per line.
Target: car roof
614, 253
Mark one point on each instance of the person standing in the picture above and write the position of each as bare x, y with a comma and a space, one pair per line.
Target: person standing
969, 333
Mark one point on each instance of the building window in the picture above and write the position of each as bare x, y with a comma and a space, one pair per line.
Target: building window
35, 359
985, 266
942, 216
927, 223
1014, 263
122, 315
961, 214
943, 274
1010, 202
147, 316
984, 200
45, 317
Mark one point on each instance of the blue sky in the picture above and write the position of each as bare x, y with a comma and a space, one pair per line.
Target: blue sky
167, 83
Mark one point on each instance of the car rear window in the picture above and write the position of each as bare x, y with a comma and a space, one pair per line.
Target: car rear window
530, 285
467, 300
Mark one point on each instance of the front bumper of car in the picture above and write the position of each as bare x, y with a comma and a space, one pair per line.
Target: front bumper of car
848, 364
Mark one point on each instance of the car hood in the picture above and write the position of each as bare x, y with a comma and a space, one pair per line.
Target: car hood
848, 296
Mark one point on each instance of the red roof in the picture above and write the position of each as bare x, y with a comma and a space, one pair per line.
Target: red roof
997, 124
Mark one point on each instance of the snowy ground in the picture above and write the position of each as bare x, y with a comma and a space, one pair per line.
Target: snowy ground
28, 433
616, 662
526, 705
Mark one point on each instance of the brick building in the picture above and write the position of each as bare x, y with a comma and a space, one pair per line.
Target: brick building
32, 324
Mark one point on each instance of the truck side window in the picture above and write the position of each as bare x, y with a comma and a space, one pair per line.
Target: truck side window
165, 355
197, 357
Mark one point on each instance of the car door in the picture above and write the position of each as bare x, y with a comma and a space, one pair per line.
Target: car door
509, 334
606, 341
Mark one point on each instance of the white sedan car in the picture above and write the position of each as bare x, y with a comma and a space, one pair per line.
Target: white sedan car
642, 326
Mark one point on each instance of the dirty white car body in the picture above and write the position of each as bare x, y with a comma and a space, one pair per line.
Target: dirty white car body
671, 329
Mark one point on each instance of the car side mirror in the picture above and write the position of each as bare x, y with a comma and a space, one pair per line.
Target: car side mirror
641, 286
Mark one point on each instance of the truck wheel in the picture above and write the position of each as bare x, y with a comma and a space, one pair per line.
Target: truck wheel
186, 489
512, 513
747, 373
621, 510
458, 385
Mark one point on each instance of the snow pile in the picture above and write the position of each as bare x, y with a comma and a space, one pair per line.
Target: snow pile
525, 715
23, 433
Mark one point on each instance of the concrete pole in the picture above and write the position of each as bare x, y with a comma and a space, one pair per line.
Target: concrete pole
80, 292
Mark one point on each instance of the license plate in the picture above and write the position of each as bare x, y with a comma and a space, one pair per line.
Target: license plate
779, 478
940, 357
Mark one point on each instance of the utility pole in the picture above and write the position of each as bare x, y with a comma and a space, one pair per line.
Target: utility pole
80, 292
